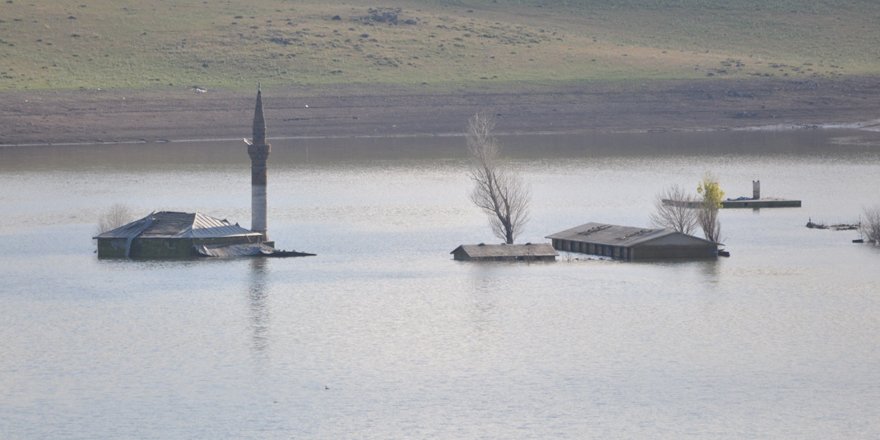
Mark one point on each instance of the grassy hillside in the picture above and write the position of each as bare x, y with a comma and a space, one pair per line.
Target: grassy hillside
64, 44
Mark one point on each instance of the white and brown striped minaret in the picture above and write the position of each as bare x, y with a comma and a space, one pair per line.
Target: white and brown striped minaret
258, 150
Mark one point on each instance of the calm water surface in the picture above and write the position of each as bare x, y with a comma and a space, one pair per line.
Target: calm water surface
382, 335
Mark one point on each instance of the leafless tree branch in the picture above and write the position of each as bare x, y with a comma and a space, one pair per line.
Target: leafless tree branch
870, 226
114, 217
499, 192
676, 216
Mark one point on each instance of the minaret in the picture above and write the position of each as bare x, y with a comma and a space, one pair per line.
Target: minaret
258, 150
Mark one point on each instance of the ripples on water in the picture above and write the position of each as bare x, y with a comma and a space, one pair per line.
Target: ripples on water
382, 335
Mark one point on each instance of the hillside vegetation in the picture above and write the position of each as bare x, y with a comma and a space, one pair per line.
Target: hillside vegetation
143, 44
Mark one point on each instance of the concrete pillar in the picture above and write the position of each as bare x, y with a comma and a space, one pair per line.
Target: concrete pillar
756, 189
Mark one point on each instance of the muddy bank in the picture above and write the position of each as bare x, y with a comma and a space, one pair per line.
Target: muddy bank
89, 116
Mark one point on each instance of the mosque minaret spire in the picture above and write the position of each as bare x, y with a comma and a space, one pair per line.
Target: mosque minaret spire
258, 150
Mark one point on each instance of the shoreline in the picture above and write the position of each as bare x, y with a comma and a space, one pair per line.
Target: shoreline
866, 126
88, 117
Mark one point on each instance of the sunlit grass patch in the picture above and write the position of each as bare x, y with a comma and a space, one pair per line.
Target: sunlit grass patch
68, 44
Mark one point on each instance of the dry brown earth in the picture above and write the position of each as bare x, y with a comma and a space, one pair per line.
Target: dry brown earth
89, 116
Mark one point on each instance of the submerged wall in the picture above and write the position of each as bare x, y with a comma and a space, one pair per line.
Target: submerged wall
642, 252
162, 248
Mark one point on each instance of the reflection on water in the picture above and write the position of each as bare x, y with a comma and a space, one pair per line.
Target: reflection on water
710, 270
483, 313
257, 298
383, 335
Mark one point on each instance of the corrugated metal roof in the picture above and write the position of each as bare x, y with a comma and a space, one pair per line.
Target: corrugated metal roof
169, 224
614, 235
508, 250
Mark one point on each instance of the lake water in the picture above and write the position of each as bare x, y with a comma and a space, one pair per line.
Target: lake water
383, 335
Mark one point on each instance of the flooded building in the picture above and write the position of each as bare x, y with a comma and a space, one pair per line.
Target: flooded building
632, 243
168, 234
505, 252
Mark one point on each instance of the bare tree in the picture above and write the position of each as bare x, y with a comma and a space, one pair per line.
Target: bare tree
114, 217
499, 192
870, 226
672, 210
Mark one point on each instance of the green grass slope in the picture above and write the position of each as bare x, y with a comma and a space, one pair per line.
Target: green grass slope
142, 44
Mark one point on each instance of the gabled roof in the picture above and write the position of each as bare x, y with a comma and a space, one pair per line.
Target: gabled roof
507, 250
168, 224
616, 235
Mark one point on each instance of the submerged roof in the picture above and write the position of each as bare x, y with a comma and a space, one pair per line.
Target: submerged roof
169, 224
616, 235
508, 250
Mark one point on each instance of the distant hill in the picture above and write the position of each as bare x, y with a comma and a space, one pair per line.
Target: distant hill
144, 44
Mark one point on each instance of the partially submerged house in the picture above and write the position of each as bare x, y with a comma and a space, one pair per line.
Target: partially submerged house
632, 243
505, 252
168, 234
